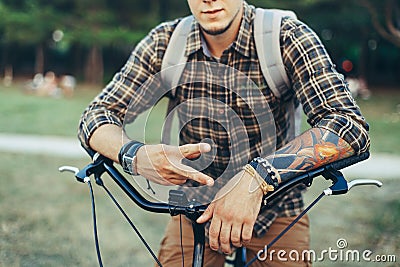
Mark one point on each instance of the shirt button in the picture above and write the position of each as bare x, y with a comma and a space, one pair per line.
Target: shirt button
221, 111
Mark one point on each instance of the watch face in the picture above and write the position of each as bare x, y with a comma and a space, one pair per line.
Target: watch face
129, 159
127, 163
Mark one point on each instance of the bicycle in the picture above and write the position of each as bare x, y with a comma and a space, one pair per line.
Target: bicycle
178, 204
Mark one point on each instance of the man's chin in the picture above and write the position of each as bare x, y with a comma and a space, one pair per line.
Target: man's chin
216, 30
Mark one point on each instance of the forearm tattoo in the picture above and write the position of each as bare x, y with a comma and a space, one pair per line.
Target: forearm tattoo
310, 150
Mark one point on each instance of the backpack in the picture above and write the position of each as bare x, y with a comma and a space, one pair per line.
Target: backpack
267, 25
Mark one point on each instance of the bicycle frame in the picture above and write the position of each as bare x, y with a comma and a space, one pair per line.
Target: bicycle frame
179, 205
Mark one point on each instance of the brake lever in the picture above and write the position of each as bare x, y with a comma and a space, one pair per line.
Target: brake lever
74, 170
96, 167
359, 182
79, 175
340, 185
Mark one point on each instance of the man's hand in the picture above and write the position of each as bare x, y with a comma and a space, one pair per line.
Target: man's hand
233, 213
162, 164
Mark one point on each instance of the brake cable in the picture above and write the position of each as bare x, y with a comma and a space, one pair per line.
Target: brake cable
340, 186
96, 238
83, 177
100, 182
284, 231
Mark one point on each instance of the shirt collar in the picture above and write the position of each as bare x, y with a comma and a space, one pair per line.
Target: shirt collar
242, 42
194, 39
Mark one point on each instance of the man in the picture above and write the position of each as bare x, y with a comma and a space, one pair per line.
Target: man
222, 33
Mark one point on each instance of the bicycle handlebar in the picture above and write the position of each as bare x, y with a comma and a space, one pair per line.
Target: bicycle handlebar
327, 171
343, 163
178, 204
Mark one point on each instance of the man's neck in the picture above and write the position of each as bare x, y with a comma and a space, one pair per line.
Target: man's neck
217, 44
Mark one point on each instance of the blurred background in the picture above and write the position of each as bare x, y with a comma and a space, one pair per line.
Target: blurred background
91, 39
55, 56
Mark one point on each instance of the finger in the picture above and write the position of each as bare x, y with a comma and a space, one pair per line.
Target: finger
236, 234
214, 232
168, 178
193, 156
247, 233
194, 150
174, 178
171, 182
207, 214
190, 173
225, 238
174, 181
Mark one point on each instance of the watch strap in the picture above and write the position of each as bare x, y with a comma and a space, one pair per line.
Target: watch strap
127, 157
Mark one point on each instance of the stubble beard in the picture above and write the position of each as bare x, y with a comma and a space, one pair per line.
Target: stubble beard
215, 32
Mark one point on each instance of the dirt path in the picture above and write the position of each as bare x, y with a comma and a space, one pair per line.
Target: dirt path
376, 167
47, 145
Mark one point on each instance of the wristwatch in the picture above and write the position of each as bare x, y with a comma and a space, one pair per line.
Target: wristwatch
127, 157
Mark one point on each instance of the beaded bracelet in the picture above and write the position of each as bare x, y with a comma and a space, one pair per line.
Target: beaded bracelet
264, 169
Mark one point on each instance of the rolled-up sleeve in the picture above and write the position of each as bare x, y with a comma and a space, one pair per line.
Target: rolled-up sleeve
318, 86
122, 99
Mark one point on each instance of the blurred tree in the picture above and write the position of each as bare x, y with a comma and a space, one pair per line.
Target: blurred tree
93, 31
92, 25
28, 23
352, 34
105, 23
385, 17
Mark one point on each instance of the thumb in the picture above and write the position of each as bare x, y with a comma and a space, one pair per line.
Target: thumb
194, 150
207, 215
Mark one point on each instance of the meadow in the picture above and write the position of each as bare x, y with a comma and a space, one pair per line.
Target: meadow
45, 217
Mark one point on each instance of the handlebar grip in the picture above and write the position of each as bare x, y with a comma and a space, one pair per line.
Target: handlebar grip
350, 161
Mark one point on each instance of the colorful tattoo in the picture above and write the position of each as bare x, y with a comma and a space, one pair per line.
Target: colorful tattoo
314, 148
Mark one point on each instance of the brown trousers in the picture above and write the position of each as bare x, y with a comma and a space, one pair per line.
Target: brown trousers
283, 253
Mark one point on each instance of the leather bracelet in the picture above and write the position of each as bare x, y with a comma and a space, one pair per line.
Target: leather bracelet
127, 157
265, 187
123, 150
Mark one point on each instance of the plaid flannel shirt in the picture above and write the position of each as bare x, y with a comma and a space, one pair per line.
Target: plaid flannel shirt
316, 84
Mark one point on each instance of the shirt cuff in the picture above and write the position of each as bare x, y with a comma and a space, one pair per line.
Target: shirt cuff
91, 122
353, 132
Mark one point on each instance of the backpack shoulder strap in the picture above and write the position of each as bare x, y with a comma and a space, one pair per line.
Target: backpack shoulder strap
175, 54
171, 69
267, 25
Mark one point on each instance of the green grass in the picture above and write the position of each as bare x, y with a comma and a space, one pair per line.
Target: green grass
366, 217
38, 115
45, 218
29, 114
382, 112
